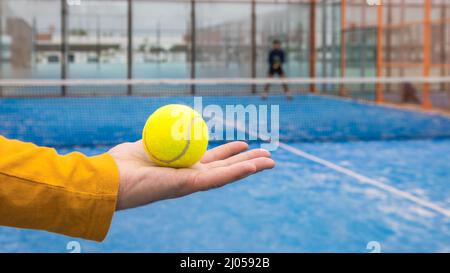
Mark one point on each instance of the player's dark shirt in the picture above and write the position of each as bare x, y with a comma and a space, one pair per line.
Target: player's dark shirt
276, 56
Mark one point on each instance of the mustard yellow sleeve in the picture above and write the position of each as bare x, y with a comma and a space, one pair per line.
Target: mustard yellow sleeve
69, 194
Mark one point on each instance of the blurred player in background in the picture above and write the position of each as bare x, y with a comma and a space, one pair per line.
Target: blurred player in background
276, 60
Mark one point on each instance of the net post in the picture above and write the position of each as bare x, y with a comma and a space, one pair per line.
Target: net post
379, 98
253, 43
342, 91
193, 45
64, 44
312, 44
426, 102
129, 45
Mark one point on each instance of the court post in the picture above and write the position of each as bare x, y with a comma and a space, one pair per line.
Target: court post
253, 44
426, 102
193, 45
312, 44
130, 46
443, 31
379, 87
361, 41
324, 42
402, 36
342, 91
389, 10
64, 45
334, 39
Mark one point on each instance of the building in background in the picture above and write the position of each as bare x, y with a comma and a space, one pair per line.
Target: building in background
16, 37
21, 46
82, 48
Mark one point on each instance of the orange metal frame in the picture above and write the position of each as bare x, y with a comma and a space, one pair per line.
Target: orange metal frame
426, 63
426, 102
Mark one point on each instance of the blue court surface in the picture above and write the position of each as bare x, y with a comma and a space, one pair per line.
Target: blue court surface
348, 174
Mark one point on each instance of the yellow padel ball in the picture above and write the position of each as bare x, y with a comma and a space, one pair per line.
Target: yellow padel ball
175, 136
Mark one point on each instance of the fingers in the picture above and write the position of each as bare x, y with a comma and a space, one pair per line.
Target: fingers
224, 151
262, 163
255, 153
220, 176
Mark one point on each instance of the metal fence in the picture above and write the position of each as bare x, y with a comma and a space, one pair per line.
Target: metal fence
220, 38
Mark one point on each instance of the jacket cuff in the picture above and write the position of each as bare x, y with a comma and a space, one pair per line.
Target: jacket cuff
104, 208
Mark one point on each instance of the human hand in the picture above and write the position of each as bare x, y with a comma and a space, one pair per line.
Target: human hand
142, 182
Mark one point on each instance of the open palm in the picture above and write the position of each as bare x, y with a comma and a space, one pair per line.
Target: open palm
142, 182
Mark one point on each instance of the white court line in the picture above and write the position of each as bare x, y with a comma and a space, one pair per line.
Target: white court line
359, 177
366, 180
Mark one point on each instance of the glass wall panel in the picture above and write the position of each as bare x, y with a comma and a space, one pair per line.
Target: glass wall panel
161, 39
223, 39
29, 39
97, 39
288, 23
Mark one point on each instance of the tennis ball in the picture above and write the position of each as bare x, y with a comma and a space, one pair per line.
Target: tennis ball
175, 136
